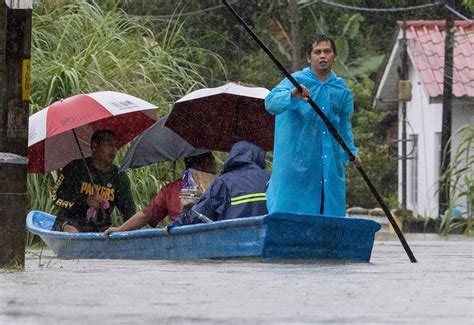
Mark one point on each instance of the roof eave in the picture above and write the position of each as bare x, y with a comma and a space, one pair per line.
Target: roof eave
387, 85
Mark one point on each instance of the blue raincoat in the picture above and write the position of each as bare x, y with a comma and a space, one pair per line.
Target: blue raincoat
306, 158
238, 192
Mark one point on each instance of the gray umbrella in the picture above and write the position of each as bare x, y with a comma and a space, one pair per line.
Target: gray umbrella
158, 144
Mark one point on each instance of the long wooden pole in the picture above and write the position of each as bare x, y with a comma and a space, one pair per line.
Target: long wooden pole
15, 44
334, 133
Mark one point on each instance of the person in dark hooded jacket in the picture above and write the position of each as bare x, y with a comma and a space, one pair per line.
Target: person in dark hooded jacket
238, 192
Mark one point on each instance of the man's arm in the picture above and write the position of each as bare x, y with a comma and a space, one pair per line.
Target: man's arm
157, 210
137, 221
284, 97
152, 214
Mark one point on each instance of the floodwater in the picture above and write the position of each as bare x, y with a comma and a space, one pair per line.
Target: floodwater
389, 290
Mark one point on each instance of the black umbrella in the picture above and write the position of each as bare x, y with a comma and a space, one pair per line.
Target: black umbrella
158, 144
217, 118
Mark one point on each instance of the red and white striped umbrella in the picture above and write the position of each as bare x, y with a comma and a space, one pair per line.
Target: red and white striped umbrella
51, 143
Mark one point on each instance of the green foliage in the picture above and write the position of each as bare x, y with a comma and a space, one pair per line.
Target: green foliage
342, 47
469, 4
352, 25
378, 165
366, 65
39, 191
350, 30
257, 70
322, 26
246, 61
460, 179
382, 171
81, 48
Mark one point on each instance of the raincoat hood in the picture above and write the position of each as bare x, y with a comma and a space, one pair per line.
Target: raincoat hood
244, 153
310, 73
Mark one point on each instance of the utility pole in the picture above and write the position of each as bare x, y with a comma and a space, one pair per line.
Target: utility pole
403, 75
15, 45
295, 18
446, 124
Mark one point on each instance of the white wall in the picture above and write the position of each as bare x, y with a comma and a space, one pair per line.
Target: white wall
462, 114
424, 120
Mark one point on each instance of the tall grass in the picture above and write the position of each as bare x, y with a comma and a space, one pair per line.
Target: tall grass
460, 179
79, 48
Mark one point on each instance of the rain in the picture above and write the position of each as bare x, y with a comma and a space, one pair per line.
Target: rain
175, 80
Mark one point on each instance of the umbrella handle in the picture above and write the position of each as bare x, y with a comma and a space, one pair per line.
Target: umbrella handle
174, 168
101, 208
83, 158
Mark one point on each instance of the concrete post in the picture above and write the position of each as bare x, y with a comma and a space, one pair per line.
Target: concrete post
15, 44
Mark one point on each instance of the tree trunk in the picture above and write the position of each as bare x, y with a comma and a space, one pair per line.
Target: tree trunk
295, 18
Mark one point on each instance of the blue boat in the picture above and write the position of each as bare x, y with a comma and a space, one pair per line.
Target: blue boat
272, 237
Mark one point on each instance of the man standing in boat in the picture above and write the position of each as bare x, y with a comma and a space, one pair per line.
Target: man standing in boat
85, 206
238, 192
308, 164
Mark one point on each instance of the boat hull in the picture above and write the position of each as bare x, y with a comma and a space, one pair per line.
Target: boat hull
271, 237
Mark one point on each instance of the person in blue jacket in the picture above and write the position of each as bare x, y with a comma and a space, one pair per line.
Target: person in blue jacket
308, 163
238, 192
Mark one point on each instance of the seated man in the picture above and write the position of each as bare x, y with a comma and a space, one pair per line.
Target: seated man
83, 206
238, 192
167, 202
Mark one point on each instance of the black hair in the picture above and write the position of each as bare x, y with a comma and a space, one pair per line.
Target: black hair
198, 160
99, 135
318, 39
